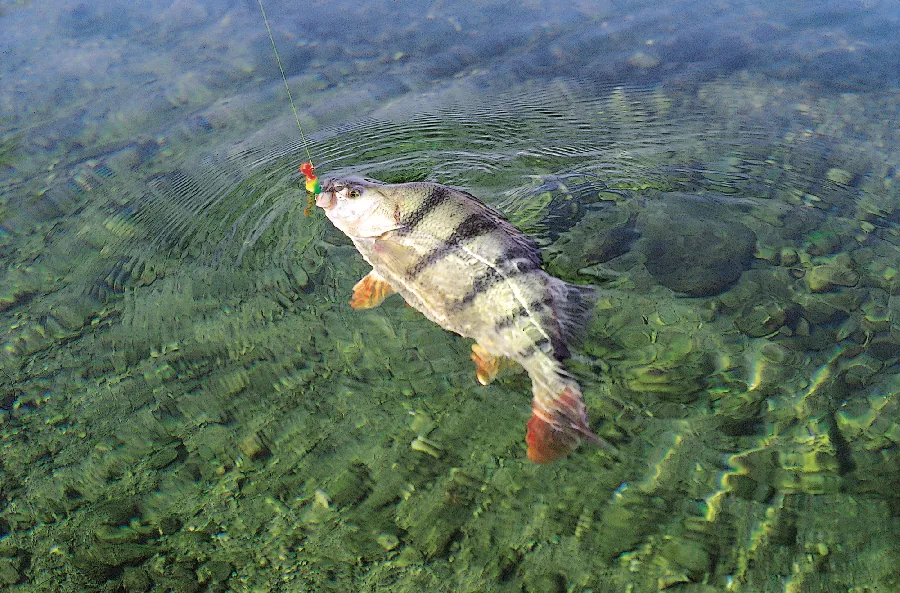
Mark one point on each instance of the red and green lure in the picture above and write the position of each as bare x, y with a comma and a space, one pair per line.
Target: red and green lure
313, 188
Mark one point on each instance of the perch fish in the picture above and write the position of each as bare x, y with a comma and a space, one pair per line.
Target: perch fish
473, 273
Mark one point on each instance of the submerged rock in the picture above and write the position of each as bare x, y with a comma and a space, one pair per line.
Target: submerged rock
10, 571
761, 319
827, 273
692, 247
135, 580
602, 235
671, 367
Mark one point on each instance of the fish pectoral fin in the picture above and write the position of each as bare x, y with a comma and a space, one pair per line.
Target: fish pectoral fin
487, 366
370, 291
394, 253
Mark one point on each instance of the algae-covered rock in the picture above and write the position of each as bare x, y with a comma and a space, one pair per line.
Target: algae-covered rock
432, 518
350, 486
298, 276
688, 554
9, 571
871, 422
695, 251
408, 556
388, 541
136, 580
545, 581
179, 578
828, 273
627, 520
214, 572
841, 176
99, 561
876, 311
788, 256
802, 461
819, 308
73, 315
860, 370
671, 367
761, 319
738, 412
822, 242
883, 347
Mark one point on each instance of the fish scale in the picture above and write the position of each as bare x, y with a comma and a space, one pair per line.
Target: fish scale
473, 273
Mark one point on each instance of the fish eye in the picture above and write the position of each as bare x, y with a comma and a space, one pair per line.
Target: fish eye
353, 193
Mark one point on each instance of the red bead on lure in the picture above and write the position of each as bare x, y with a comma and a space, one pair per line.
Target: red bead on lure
312, 185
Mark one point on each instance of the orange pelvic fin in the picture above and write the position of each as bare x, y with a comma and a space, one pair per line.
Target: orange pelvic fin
487, 366
370, 291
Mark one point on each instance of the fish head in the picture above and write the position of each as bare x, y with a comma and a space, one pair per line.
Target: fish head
360, 207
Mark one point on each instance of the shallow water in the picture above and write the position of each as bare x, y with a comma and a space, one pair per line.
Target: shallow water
189, 404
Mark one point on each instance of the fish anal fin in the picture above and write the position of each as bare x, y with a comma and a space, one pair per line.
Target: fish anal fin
370, 291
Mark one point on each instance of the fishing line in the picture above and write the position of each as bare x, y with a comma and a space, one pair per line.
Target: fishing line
307, 168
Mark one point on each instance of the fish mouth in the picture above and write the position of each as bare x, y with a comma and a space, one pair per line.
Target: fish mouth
327, 198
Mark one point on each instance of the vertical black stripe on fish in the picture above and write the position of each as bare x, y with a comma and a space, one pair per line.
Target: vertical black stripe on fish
508, 321
437, 196
522, 311
533, 348
482, 283
559, 349
509, 265
474, 225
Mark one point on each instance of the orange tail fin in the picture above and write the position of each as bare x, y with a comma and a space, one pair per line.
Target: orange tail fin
546, 443
558, 425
